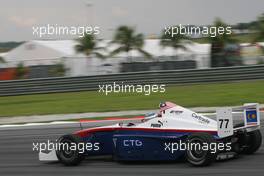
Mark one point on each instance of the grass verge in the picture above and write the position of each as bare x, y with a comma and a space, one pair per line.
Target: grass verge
220, 94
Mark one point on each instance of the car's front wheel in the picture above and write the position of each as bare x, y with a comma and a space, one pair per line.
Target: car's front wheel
68, 152
197, 153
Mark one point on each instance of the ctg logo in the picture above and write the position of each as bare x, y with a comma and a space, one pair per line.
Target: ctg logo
132, 143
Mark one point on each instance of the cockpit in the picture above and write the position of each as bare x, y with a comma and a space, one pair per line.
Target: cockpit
163, 106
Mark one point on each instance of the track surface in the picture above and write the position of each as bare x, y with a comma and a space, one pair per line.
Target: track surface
17, 158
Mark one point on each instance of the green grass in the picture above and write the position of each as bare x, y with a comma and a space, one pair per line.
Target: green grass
220, 94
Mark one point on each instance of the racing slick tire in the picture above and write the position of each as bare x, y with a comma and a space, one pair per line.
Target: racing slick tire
252, 140
201, 157
67, 156
255, 141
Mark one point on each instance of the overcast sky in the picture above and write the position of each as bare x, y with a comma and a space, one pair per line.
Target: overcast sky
149, 16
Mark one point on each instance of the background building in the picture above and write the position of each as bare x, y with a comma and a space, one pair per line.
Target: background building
45, 53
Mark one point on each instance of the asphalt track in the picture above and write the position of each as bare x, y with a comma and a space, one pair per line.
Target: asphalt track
17, 158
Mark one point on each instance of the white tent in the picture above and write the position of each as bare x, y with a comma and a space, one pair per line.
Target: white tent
49, 52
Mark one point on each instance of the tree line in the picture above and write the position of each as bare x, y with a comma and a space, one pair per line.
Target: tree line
127, 39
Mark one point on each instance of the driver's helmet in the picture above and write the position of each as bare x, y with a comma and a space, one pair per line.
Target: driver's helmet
165, 105
162, 105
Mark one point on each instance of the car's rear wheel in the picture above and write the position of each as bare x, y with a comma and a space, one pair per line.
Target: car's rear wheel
68, 152
251, 140
254, 142
198, 155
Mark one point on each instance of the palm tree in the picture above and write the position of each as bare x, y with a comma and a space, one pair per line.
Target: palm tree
218, 44
88, 46
259, 35
175, 41
2, 60
128, 40
259, 29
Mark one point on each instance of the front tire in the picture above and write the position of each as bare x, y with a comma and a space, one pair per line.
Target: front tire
69, 156
200, 157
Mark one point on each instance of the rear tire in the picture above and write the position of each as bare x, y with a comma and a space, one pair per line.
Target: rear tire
68, 156
201, 157
254, 143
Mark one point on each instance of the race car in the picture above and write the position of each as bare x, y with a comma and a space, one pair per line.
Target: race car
173, 133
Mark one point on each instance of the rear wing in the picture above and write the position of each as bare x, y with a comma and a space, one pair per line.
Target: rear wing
224, 117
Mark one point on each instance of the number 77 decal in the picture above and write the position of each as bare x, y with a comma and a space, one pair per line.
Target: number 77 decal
224, 122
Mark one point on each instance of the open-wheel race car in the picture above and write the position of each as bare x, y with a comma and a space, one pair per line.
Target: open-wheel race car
173, 133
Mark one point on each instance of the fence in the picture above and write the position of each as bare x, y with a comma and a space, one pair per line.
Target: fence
71, 84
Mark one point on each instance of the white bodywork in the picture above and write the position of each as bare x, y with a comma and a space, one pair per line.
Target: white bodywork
180, 118
51, 156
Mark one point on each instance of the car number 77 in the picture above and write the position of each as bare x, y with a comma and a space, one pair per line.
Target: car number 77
222, 123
